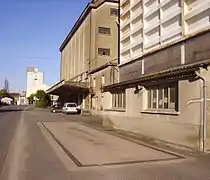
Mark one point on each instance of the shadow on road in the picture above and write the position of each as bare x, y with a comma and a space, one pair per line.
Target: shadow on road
13, 108
10, 110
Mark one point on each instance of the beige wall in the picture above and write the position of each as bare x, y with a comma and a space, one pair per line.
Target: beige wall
83, 46
103, 100
75, 55
81, 52
183, 128
102, 18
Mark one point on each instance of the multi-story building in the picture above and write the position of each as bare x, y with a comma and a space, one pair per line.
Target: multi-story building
35, 81
89, 55
164, 46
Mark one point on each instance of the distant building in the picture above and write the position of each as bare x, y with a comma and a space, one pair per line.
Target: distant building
15, 96
35, 81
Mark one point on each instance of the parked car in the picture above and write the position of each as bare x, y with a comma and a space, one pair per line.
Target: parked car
56, 108
69, 108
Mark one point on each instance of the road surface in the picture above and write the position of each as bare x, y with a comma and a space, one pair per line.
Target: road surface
36, 144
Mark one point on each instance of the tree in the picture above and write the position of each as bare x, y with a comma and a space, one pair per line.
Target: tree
31, 98
43, 99
3, 93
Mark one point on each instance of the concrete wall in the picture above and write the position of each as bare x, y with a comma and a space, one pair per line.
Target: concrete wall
35, 81
181, 128
75, 56
101, 18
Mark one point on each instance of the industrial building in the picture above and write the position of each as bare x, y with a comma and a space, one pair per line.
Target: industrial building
89, 56
163, 87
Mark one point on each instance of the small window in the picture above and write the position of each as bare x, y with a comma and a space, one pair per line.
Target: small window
114, 12
104, 52
104, 30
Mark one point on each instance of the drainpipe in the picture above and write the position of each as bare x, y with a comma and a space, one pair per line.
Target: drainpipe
204, 110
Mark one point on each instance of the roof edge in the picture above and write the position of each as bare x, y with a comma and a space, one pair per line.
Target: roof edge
82, 16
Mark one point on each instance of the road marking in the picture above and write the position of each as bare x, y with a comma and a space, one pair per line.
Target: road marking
15, 159
68, 163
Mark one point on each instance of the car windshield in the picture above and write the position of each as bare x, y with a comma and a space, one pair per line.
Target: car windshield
71, 105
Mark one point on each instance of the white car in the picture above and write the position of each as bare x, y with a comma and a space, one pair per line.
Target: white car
71, 108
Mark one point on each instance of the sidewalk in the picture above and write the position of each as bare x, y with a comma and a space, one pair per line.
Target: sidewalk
96, 122
89, 147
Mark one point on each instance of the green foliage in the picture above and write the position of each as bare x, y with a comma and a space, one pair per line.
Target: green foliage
41, 104
3, 93
43, 99
40, 95
31, 98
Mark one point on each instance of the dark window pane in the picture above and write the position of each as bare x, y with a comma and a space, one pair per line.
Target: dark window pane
165, 98
71, 105
114, 11
160, 98
124, 100
104, 52
154, 98
104, 30
149, 99
120, 100
172, 98
113, 100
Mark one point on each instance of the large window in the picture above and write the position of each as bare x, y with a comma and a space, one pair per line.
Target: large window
119, 99
163, 97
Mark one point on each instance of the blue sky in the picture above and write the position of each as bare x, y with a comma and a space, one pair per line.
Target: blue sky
31, 32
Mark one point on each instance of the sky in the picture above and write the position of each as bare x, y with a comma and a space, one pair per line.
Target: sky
31, 32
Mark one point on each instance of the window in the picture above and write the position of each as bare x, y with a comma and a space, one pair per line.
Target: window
104, 30
119, 99
71, 105
104, 52
114, 12
163, 97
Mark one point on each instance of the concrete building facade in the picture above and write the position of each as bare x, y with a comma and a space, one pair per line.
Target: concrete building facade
164, 49
35, 81
89, 56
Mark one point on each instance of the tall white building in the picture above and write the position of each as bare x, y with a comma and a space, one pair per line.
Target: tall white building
35, 81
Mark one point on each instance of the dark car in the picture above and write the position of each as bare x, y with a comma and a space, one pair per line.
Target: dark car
56, 108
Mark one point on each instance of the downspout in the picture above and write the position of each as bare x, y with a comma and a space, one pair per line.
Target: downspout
89, 63
118, 33
204, 127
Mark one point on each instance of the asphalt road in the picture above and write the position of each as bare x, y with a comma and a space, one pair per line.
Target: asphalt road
9, 117
27, 154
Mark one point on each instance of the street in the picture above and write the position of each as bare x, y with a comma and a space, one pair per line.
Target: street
37, 144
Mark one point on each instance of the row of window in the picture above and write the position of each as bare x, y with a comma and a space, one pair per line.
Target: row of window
106, 31
119, 99
163, 98
159, 98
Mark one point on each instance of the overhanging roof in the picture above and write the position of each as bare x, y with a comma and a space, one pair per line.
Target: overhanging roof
67, 86
104, 66
173, 74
